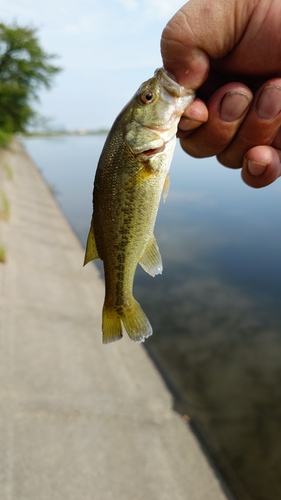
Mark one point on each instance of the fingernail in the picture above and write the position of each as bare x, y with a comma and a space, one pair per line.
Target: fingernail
233, 105
269, 102
256, 168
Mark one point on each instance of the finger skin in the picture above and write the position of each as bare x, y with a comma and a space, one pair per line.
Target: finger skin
267, 166
258, 128
202, 31
231, 36
226, 109
194, 116
205, 45
258, 140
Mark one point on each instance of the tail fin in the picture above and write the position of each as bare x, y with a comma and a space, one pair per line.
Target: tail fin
133, 318
135, 322
111, 325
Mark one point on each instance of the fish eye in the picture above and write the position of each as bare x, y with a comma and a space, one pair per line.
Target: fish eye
147, 97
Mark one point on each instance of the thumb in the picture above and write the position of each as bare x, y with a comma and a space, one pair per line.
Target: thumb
200, 31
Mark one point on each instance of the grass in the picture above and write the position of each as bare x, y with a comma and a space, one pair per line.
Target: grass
4, 138
4, 202
4, 206
2, 254
8, 170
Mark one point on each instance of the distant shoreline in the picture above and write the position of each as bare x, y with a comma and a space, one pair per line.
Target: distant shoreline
78, 132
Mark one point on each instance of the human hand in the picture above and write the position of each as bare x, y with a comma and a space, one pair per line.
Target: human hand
230, 50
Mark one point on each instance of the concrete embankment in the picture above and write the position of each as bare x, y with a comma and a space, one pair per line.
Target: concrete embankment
78, 420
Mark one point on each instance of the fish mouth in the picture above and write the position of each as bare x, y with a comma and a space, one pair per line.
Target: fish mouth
153, 151
172, 87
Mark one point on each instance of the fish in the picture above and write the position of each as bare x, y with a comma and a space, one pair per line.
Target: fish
132, 173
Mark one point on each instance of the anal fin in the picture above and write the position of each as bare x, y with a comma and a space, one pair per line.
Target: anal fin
151, 260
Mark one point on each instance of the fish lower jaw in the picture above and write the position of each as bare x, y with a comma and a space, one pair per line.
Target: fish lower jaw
168, 143
153, 151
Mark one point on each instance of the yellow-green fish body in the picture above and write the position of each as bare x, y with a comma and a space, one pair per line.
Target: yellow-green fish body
131, 175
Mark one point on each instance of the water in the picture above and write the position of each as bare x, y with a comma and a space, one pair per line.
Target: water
215, 310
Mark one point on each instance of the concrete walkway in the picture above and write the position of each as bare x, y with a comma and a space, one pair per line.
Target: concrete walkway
78, 420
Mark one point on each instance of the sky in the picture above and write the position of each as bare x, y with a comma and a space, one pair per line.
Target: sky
106, 48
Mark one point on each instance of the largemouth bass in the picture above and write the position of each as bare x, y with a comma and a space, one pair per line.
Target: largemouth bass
131, 175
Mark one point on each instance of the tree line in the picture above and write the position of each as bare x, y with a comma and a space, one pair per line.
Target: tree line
24, 69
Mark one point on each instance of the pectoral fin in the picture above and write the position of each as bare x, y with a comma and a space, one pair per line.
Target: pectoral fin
91, 247
166, 187
139, 178
151, 260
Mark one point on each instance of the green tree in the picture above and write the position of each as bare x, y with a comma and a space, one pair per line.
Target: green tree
24, 68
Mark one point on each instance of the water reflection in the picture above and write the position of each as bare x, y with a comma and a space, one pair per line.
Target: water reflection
216, 308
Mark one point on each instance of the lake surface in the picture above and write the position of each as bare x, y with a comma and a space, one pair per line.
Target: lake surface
215, 310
